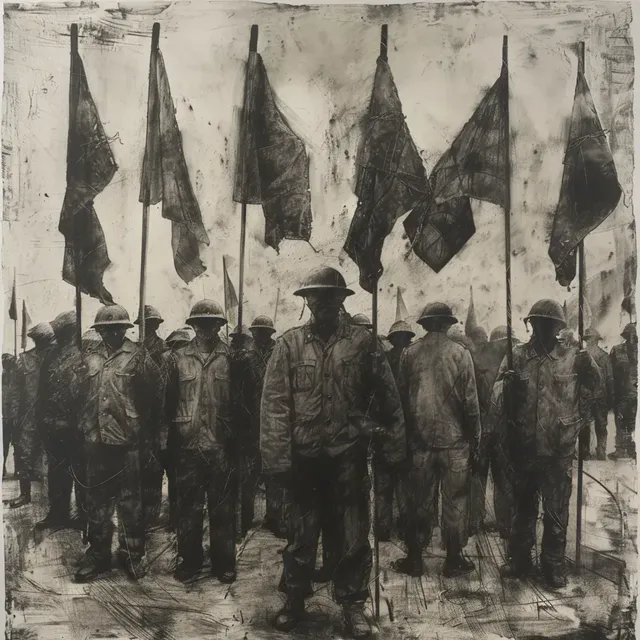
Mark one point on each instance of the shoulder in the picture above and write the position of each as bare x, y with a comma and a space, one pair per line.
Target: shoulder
290, 337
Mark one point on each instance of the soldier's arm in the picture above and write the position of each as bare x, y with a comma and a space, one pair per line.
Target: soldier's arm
470, 394
608, 381
275, 412
587, 370
171, 390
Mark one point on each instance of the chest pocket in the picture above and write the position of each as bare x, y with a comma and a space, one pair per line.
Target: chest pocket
304, 376
565, 385
188, 388
221, 387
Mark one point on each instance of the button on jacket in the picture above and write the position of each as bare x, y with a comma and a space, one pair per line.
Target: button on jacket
317, 397
547, 416
438, 388
123, 396
198, 397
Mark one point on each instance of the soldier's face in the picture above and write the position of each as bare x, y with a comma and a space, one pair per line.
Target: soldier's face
325, 305
151, 326
400, 340
113, 336
207, 329
545, 328
261, 336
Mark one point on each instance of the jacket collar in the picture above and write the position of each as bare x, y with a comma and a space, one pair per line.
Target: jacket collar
192, 350
127, 347
344, 330
531, 352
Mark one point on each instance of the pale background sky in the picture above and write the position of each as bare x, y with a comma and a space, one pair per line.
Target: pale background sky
321, 62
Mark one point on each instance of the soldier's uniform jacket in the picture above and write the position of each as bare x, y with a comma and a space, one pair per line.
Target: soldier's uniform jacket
246, 388
23, 395
156, 347
547, 413
122, 402
624, 364
198, 401
9, 399
393, 356
59, 391
316, 397
605, 389
438, 388
264, 356
487, 359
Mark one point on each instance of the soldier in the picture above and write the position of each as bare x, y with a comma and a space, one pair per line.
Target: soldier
57, 417
456, 334
361, 320
438, 388
8, 419
176, 340
544, 390
122, 400
315, 429
400, 336
152, 469
24, 398
246, 385
493, 448
624, 364
598, 406
262, 330
198, 403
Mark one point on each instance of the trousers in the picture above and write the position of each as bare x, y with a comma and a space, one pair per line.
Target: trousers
549, 478
67, 471
330, 490
152, 474
625, 416
430, 471
206, 475
596, 412
251, 467
115, 482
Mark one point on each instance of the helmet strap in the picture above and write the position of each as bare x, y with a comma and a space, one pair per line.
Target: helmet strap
304, 305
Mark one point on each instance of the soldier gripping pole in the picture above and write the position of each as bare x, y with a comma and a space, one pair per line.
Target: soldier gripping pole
152, 116
507, 203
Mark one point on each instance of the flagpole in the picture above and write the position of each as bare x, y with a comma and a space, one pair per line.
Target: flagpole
151, 116
275, 313
226, 299
74, 90
15, 320
507, 199
581, 284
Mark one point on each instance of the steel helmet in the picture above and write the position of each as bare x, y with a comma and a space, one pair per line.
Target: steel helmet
592, 333
629, 331
112, 315
262, 322
400, 327
548, 309
499, 333
242, 332
42, 331
206, 310
437, 310
478, 334
361, 320
150, 313
63, 322
179, 335
323, 278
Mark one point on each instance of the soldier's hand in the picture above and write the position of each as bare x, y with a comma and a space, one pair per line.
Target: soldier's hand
583, 359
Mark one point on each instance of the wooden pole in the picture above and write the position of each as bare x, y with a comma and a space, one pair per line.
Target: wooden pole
74, 94
225, 276
581, 284
275, 313
14, 295
507, 199
152, 117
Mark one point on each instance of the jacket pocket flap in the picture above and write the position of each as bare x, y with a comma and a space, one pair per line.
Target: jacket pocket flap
180, 419
569, 421
186, 376
222, 376
132, 413
571, 377
125, 374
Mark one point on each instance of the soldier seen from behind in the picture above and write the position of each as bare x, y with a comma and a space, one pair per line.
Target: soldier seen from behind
57, 416
438, 388
315, 432
493, 449
624, 365
152, 469
198, 405
121, 405
598, 403
8, 419
544, 390
24, 401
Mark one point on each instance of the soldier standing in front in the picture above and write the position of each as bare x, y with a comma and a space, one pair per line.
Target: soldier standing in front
315, 431
544, 389
198, 404
438, 388
122, 400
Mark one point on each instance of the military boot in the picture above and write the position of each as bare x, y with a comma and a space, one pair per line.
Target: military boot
91, 567
24, 497
133, 567
52, 521
290, 615
411, 565
456, 564
554, 577
355, 622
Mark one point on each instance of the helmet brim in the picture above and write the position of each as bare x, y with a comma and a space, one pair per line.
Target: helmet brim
538, 315
401, 332
303, 291
158, 320
262, 326
191, 319
451, 319
112, 323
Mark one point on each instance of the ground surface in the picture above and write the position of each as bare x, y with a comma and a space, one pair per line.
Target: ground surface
43, 602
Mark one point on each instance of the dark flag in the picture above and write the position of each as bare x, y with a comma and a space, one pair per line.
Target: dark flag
391, 177
272, 166
26, 321
474, 167
165, 177
230, 297
13, 307
590, 190
90, 168
630, 272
